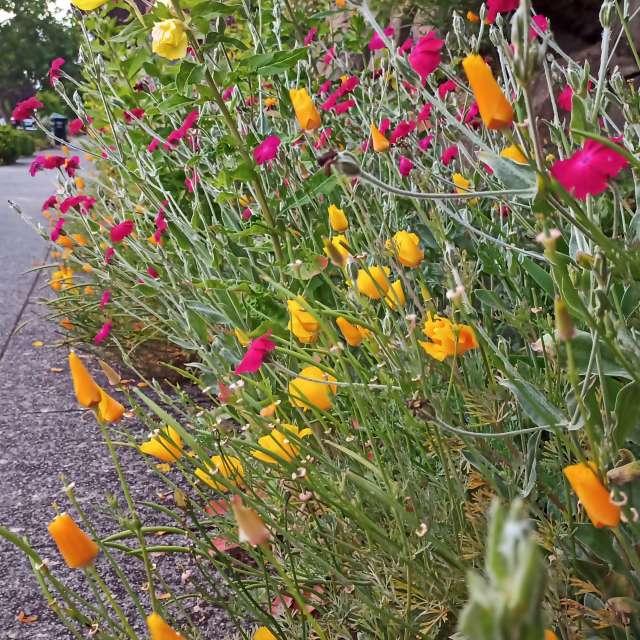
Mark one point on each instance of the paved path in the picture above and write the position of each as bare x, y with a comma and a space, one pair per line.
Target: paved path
42, 432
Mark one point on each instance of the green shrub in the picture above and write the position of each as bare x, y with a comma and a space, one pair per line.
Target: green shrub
25, 142
8, 148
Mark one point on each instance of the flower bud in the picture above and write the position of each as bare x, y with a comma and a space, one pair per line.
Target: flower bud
75, 546
565, 330
605, 14
625, 474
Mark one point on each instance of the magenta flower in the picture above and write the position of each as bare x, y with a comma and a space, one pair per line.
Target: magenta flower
256, 354
310, 37
500, 6
540, 25
405, 166
46, 162
402, 130
104, 332
406, 45
55, 233
348, 85
192, 182
105, 298
325, 87
343, 107
266, 150
411, 89
121, 230
246, 213
328, 57
449, 154
153, 145
588, 171
135, 114
425, 142
108, 254
72, 165
75, 126
175, 136
472, 113
25, 109
425, 56
55, 72
81, 202
323, 138
384, 126
376, 41
445, 88
228, 93
565, 98
152, 272
51, 201
425, 112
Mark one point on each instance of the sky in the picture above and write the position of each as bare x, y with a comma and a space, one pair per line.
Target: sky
62, 5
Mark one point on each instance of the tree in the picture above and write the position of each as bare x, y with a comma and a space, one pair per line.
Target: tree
29, 40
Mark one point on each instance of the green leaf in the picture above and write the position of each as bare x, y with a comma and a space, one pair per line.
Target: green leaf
512, 174
582, 344
534, 404
264, 64
490, 299
627, 425
600, 543
199, 326
189, 74
542, 277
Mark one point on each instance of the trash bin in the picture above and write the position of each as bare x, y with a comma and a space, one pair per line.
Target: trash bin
59, 126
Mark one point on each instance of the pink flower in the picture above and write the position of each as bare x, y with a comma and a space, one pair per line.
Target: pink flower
500, 6
51, 201
565, 98
25, 109
121, 230
246, 213
425, 142
406, 45
425, 112
105, 298
323, 138
152, 272
343, 107
54, 71
540, 24
348, 85
425, 56
328, 57
55, 233
405, 165
588, 170
227, 93
153, 145
402, 130
376, 41
310, 37
445, 88
472, 113
266, 150
75, 126
325, 87
135, 114
191, 182
46, 162
84, 203
409, 87
449, 154
384, 126
104, 332
72, 165
108, 254
175, 136
256, 354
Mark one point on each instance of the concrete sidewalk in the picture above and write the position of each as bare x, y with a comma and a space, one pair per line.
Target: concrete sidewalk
43, 434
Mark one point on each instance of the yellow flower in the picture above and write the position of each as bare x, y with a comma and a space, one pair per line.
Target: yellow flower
514, 153
61, 279
170, 39
447, 338
593, 495
352, 333
373, 282
336, 249
337, 218
278, 443
473, 17
160, 630
251, 528
308, 393
88, 5
262, 633
302, 324
229, 467
380, 143
550, 635
269, 411
109, 409
165, 445
270, 102
462, 184
306, 112
494, 108
341, 4
74, 545
406, 247
395, 297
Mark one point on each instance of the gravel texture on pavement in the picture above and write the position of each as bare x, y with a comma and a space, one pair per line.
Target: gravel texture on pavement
44, 435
